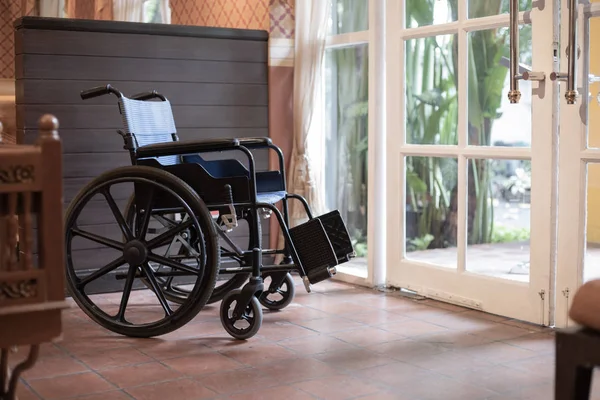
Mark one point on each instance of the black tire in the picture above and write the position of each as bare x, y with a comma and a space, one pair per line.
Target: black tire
200, 220
253, 315
287, 295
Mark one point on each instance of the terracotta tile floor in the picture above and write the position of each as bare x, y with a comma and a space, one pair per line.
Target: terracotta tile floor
339, 342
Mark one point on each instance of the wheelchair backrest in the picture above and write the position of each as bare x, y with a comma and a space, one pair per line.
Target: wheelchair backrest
149, 122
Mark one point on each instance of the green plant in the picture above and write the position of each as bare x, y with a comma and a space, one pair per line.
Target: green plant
360, 248
419, 243
504, 234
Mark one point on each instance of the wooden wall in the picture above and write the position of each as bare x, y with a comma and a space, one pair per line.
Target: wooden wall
215, 78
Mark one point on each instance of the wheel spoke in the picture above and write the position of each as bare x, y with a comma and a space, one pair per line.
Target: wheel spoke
191, 251
169, 235
156, 289
165, 221
101, 272
173, 264
246, 318
117, 213
98, 239
147, 213
126, 292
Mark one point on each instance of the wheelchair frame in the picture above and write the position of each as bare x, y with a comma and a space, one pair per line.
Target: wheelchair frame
313, 248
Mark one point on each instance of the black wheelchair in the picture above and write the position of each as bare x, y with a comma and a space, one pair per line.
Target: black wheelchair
174, 234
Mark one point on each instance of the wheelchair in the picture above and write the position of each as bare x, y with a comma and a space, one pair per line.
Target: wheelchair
174, 236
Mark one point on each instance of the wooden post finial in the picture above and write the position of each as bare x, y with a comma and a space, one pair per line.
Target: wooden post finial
48, 127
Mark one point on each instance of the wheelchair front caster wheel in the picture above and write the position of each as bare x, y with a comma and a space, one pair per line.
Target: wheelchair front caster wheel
247, 324
277, 297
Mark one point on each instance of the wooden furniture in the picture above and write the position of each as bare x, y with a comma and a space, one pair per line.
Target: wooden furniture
32, 292
215, 78
577, 353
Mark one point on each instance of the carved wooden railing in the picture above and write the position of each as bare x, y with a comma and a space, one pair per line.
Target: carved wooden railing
31, 249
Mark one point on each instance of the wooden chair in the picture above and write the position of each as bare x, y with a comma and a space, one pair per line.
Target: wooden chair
32, 292
577, 354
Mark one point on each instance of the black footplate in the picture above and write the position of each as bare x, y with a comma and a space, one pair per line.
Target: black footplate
314, 249
338, 236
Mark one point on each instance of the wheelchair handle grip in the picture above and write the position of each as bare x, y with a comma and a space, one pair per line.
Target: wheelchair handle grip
148, 95
99, 91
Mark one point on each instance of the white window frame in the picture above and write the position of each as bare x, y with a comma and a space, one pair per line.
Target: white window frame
374, 37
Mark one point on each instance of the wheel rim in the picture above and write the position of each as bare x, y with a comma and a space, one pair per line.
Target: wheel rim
275, 297
134, 262
245, 323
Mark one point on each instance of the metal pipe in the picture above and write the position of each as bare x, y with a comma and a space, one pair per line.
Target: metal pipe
514, 95
571, 93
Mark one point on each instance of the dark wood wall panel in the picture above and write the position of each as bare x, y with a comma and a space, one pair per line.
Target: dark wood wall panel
108, 44
216, 80
191, 94
84, 116
136, 69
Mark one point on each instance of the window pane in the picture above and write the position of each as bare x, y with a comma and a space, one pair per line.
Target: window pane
591, 265
493, 121
430, 12
430, 87
498, 218
152, 11
349, 16
478, 8
593, 63
345, 172
431, 210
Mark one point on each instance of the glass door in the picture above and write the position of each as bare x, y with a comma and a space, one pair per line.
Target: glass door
579, 164
470, 172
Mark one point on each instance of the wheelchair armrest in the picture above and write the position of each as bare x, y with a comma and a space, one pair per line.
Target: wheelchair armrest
262, 142
256, 142
186, 147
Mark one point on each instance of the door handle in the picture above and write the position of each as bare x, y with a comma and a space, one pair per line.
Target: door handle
514, 94
572, 55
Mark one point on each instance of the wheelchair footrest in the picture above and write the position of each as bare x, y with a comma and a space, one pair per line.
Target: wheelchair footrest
314, 250
338, 236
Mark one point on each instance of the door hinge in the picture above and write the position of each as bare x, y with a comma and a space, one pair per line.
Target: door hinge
542, 294
566, 293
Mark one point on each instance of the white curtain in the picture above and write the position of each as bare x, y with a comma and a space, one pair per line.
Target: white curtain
128, 10
52, 8
303, 174
136, 10
312, 18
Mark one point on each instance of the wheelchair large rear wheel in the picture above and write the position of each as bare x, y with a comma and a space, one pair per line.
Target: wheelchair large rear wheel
161, 195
